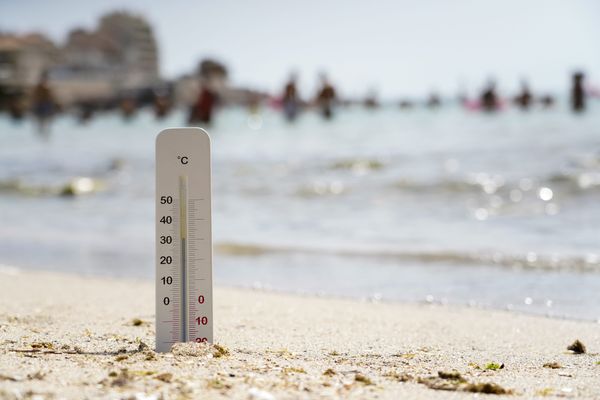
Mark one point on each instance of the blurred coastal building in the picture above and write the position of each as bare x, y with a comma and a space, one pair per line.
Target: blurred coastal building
23, 59
120, 54
116, 60
135, 51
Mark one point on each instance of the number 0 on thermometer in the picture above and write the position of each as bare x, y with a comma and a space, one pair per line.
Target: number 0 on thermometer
184, 306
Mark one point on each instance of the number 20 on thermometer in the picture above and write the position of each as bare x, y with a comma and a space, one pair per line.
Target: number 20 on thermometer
184, 306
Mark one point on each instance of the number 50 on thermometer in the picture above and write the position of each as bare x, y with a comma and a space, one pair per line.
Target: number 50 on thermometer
184, 306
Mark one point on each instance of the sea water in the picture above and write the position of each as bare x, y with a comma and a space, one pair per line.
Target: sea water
444, 206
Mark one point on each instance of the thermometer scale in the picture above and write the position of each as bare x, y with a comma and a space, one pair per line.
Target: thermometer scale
184, 306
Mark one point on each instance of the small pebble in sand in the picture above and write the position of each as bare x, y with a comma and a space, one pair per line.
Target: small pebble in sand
329, 372
363, 379
577, 347
488, 388
137, 322
165, 377
553, 365
219, 350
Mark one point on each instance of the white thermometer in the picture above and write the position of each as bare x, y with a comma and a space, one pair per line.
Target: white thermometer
184, 296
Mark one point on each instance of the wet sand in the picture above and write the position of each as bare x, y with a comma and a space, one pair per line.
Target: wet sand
65, 336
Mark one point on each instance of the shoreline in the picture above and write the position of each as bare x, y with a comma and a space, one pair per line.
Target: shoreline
317, 294
69, 336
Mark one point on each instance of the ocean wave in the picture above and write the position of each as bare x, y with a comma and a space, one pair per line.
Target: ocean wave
530, 260
566, 183
587, 180
454, 186
358, 165
74, 187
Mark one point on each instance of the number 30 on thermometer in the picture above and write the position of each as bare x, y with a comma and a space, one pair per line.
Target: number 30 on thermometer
184, 306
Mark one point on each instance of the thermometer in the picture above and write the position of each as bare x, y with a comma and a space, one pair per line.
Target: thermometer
184, 306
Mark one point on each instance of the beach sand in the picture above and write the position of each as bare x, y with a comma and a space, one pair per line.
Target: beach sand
65, 336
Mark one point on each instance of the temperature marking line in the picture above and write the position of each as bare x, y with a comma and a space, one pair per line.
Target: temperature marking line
183, 235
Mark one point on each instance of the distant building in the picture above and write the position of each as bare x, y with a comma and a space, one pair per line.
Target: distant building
131, 45
120, 54
23, 59
89, 54
88, 70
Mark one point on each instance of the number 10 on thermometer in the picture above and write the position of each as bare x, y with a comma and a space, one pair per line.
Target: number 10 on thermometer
184, 306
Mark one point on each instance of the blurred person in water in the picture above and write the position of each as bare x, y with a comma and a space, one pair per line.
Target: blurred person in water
524, 99
326, 97
370, 102
290, 100
17, 108
161, 104
128, 107
202, 109
547, 101
85, 111
578, 92
43, 104
434, 100
489, 99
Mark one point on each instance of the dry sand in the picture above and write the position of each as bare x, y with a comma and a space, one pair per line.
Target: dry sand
70, 337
